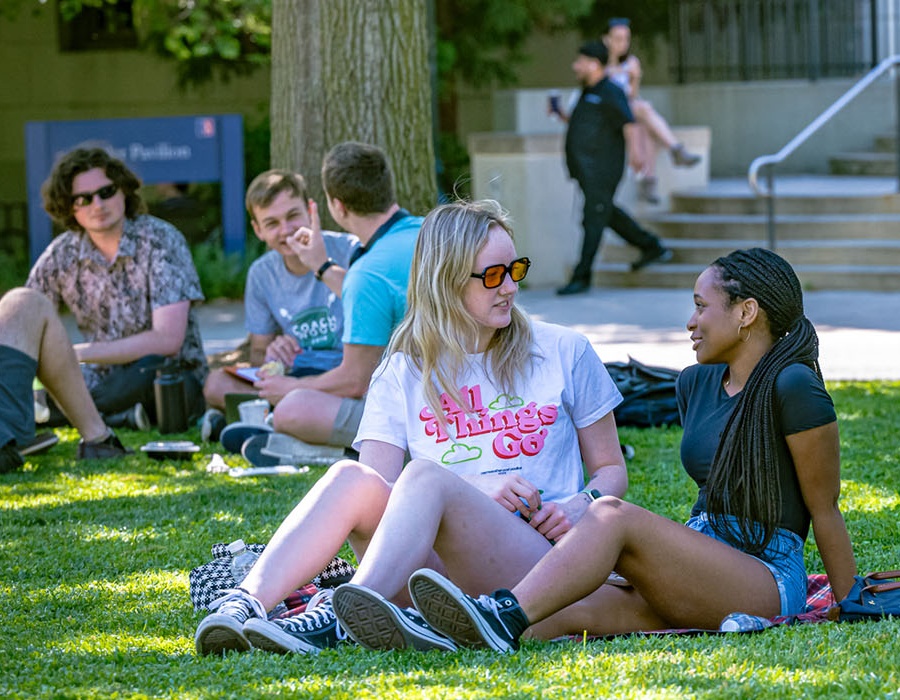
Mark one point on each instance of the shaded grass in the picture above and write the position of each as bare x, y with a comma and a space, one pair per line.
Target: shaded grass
95, 557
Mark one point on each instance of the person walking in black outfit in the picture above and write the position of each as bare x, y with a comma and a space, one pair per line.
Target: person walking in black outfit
599, 127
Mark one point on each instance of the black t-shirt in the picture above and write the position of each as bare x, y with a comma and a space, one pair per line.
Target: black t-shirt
801, 403
594, 139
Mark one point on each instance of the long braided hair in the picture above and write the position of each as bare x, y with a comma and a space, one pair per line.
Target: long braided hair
743, 481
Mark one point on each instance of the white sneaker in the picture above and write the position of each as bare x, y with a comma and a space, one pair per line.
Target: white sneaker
290, 450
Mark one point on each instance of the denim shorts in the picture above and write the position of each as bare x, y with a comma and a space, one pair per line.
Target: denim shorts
783, 557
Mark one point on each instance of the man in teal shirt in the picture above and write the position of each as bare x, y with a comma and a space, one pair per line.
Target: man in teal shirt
326, 408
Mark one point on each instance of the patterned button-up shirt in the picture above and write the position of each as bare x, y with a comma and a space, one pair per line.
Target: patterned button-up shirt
113, 300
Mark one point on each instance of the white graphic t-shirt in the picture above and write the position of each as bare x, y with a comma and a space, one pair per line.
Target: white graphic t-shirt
532, 431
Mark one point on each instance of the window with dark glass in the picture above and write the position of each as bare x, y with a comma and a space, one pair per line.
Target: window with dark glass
99, 28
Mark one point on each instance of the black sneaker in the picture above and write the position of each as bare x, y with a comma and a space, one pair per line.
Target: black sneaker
234, 435
682, 157
492, 621
10, 459
39, 443
134, 418
211, 425
222, 630
309, 632
647, 190
252, 451
376, 623
573, 287
108, 448
654, 255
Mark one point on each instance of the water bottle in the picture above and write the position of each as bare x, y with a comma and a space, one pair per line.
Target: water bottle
171, 406
242, 560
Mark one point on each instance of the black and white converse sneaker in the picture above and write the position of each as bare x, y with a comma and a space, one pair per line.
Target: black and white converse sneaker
309, 632
222, 630
492, 621
376, 623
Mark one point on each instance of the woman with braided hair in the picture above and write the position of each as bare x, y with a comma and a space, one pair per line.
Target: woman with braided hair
761, 441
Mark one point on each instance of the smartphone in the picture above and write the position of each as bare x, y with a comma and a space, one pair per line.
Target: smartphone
553, 99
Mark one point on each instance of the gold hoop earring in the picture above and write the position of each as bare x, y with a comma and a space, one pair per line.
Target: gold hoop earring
743, 339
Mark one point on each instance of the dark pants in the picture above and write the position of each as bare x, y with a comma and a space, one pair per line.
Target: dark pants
129, 384
600, 212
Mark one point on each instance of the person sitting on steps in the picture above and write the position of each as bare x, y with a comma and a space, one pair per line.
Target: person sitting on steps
651, 128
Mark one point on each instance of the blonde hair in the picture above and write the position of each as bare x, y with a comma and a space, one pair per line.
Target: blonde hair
437, 334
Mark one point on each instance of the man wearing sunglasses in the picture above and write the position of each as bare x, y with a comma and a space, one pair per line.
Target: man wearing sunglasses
128, 279
599, 127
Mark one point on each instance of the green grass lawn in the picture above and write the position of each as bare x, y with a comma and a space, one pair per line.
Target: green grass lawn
94, 562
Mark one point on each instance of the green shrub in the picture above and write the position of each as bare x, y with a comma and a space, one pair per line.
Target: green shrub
221, 275
13, 270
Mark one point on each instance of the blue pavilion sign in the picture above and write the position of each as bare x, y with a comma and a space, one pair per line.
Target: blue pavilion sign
164, 149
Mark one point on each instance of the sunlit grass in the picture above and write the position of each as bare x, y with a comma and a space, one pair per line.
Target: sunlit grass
94, 563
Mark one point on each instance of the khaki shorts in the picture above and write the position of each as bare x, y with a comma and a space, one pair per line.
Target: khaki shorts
346, 423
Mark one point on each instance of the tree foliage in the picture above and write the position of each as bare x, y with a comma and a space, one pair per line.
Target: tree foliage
648, 18
480, 42
207, 39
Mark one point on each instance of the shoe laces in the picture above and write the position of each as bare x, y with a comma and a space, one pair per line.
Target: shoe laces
238, 603
319, 615
495, 607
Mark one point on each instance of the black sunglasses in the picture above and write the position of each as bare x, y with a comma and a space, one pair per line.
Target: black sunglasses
85, 199
493, 275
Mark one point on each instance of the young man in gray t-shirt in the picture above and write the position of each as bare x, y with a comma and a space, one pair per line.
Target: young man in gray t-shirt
292, 315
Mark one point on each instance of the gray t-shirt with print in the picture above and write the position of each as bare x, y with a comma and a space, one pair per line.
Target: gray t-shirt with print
276, 300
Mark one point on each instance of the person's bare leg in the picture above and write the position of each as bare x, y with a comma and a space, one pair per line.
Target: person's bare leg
646, 179
656, 126
347, 502
608, 610
482, 545
687, 578
218, 383
307, 415
30, 324
646, 147
660, 130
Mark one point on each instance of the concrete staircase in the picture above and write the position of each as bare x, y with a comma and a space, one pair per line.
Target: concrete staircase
881, 161
839, 232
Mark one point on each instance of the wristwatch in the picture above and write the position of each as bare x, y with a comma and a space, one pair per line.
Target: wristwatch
592, 494
325, 265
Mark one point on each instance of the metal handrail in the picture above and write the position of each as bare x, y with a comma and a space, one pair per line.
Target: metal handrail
775, 158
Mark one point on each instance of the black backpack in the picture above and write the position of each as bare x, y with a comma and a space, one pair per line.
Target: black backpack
648, 393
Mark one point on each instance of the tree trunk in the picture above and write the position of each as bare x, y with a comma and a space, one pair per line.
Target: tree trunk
355, 70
